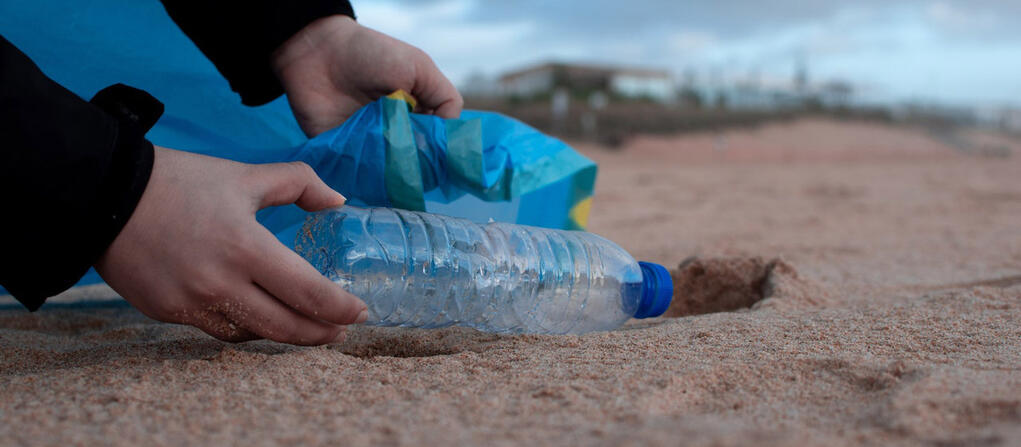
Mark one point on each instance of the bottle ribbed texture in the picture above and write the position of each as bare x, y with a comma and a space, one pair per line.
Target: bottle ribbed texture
417, 269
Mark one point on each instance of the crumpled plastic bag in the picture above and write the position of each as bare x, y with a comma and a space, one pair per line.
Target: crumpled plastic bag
482, 166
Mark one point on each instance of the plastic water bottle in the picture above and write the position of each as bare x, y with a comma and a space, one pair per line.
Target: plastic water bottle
424, 270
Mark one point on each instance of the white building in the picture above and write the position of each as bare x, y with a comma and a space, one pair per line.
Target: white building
627, 82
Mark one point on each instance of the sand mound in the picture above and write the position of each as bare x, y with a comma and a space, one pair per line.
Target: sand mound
711, 285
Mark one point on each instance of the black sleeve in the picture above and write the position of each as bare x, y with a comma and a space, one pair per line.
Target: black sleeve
239, 36
71, 174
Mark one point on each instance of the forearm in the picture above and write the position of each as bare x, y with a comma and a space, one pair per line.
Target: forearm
71, 174
239, 36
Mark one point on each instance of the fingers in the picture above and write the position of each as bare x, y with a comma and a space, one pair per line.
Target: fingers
295, 182
259, 313
307, 305
220, 327
285, 274
434, 91
292, 280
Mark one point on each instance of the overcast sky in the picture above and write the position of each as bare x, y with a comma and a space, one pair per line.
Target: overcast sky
959, 52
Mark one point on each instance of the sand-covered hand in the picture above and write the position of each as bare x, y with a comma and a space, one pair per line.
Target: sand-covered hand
193, 253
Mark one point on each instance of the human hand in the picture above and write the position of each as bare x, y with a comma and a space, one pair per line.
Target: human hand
334, 66
193, 253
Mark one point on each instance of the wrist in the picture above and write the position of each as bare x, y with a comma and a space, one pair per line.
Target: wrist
310, 42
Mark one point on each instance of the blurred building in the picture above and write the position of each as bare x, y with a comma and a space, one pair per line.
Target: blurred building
835, 94
777, 94
999, 117
480, 86
1010, 120
992, 116
935, 113
627, 82
752, 92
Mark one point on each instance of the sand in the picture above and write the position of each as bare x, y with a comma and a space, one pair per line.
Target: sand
838, 284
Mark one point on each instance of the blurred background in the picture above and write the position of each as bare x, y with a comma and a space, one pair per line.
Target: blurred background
604, 71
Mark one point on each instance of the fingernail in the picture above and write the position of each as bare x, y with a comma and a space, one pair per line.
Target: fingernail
364, 315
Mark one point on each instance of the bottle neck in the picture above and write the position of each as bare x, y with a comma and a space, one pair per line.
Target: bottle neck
657, 290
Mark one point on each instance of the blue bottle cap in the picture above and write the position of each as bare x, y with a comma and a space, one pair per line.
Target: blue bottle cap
657, 290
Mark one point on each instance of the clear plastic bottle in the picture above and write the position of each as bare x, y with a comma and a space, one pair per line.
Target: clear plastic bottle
425, 270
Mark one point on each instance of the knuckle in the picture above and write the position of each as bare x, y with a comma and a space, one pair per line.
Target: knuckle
207, 289
420, 54
318, 294
254, 175
292, 172
302, 169
241, 245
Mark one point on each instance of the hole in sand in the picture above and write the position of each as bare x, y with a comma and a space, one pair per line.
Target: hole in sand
711, 285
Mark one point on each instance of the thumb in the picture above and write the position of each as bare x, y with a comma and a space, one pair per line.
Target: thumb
434, 91
294, 182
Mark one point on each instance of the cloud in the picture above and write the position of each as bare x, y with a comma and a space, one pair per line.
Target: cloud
459, 46
725, 18
961, 19
908, 48
691, 41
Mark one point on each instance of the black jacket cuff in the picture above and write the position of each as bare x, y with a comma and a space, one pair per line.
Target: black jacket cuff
131, 161
71, 174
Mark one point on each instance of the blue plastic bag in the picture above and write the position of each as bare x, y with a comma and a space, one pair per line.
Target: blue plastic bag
482, 166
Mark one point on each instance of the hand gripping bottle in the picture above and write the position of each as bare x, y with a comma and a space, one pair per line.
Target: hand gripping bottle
424, 270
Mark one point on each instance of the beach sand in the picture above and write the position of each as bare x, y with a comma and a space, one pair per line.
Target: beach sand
837, 284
